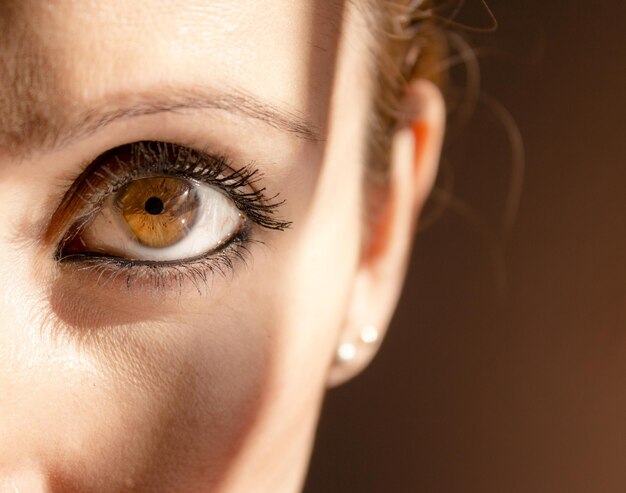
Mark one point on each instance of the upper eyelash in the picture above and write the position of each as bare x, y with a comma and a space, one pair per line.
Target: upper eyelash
152, 158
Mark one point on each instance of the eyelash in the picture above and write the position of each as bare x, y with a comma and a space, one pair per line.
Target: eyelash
167, 275
152, 158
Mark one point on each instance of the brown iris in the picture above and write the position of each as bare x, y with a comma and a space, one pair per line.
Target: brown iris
159, 211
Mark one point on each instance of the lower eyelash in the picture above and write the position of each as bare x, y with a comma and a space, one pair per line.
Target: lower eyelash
157, 276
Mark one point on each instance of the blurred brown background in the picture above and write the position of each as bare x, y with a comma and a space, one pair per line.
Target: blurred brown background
479, 391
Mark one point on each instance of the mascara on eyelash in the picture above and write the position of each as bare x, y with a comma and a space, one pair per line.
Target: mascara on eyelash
153, 158
118, 166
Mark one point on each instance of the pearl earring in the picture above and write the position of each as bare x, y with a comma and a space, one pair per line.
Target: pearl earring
347, 351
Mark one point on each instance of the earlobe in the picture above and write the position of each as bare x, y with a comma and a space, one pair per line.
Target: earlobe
379, 278
361, 335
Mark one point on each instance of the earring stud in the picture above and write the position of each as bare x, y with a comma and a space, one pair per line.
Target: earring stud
369, 334
347, 351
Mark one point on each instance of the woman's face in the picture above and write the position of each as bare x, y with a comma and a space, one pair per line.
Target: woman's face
133, 356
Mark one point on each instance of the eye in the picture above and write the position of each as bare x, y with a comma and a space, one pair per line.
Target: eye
146, 207
160, 219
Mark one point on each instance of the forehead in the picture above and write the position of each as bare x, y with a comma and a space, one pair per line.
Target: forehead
60, 56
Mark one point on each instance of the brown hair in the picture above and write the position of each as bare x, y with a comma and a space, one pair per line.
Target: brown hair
409, 45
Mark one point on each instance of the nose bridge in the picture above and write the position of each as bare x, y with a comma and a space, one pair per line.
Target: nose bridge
34, 415
12, 302
14, 359
20, 350
24, 259
16, 287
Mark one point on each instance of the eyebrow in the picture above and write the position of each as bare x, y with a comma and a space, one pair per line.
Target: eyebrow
54, 134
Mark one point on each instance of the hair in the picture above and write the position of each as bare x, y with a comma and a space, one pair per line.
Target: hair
407, 43
413, 40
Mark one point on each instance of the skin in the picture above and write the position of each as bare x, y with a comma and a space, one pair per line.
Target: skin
109, 388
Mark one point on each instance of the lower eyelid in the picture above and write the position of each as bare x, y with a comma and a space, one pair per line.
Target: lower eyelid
155, 277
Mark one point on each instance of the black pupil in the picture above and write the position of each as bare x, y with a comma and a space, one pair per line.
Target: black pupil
154, 206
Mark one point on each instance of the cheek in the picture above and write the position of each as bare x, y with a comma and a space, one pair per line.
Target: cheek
122, 388
140, 404
311, 281
107, 388
318, 274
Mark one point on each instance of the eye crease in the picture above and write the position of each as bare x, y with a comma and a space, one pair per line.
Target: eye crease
143, 208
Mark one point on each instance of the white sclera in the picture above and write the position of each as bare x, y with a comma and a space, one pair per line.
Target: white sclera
217, 220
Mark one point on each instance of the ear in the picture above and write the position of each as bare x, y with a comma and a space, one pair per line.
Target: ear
379, 278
